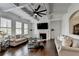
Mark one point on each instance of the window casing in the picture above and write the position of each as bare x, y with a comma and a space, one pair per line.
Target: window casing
18, 28
5, 26
25, 28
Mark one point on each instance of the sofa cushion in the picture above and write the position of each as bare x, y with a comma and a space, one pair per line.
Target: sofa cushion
12, 39
75, 44
67, 41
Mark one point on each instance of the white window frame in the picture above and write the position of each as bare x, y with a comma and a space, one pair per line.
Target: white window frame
18, 28
25, 28
7, 26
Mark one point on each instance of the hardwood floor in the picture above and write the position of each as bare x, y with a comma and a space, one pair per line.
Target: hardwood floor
22, 50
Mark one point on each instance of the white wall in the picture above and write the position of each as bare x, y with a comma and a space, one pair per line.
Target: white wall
65, 25
34, 30
56, 25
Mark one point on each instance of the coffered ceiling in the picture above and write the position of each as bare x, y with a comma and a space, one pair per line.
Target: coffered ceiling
55, 11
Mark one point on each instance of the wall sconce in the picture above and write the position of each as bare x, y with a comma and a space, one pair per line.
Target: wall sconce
30, 29
52, 29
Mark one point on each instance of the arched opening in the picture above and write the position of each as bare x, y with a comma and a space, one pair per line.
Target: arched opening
73, 23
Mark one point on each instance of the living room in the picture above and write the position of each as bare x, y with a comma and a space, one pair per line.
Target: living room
38, 29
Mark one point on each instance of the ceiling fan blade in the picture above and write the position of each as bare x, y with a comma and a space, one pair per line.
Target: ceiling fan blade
42, 13
43, 10
31, 7
39, 15
37, 8
17, 4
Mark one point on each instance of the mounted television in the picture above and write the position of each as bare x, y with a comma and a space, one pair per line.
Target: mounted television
42, 26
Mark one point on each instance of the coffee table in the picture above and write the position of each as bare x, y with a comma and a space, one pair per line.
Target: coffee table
36, 45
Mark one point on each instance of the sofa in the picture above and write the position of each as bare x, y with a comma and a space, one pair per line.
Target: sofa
0, 46
66, 50
17, 40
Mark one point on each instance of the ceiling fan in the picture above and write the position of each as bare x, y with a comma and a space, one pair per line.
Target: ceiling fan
38, 12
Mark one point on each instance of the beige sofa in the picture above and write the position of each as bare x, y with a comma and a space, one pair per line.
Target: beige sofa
65, 50
17, 40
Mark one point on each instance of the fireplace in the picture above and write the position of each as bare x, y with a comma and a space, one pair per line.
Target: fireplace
43, 35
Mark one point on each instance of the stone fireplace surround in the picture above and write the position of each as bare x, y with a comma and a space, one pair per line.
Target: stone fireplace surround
38, 31
45, 31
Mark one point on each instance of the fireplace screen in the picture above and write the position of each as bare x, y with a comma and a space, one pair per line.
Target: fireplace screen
76, 29
43, 35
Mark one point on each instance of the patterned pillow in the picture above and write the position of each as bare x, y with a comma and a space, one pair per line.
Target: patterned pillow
75, 43
68, 41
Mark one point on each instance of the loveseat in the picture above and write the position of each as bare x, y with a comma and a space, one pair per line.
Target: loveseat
67, 50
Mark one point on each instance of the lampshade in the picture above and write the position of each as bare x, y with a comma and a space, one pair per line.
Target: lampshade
1, 34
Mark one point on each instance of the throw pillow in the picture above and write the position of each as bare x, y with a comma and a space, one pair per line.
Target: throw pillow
75, 44
67, 41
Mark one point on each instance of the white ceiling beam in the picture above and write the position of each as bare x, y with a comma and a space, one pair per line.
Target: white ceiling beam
16, 7
19, 7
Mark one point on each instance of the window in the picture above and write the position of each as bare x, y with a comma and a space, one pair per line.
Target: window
18, 28
5, 26
25, 28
